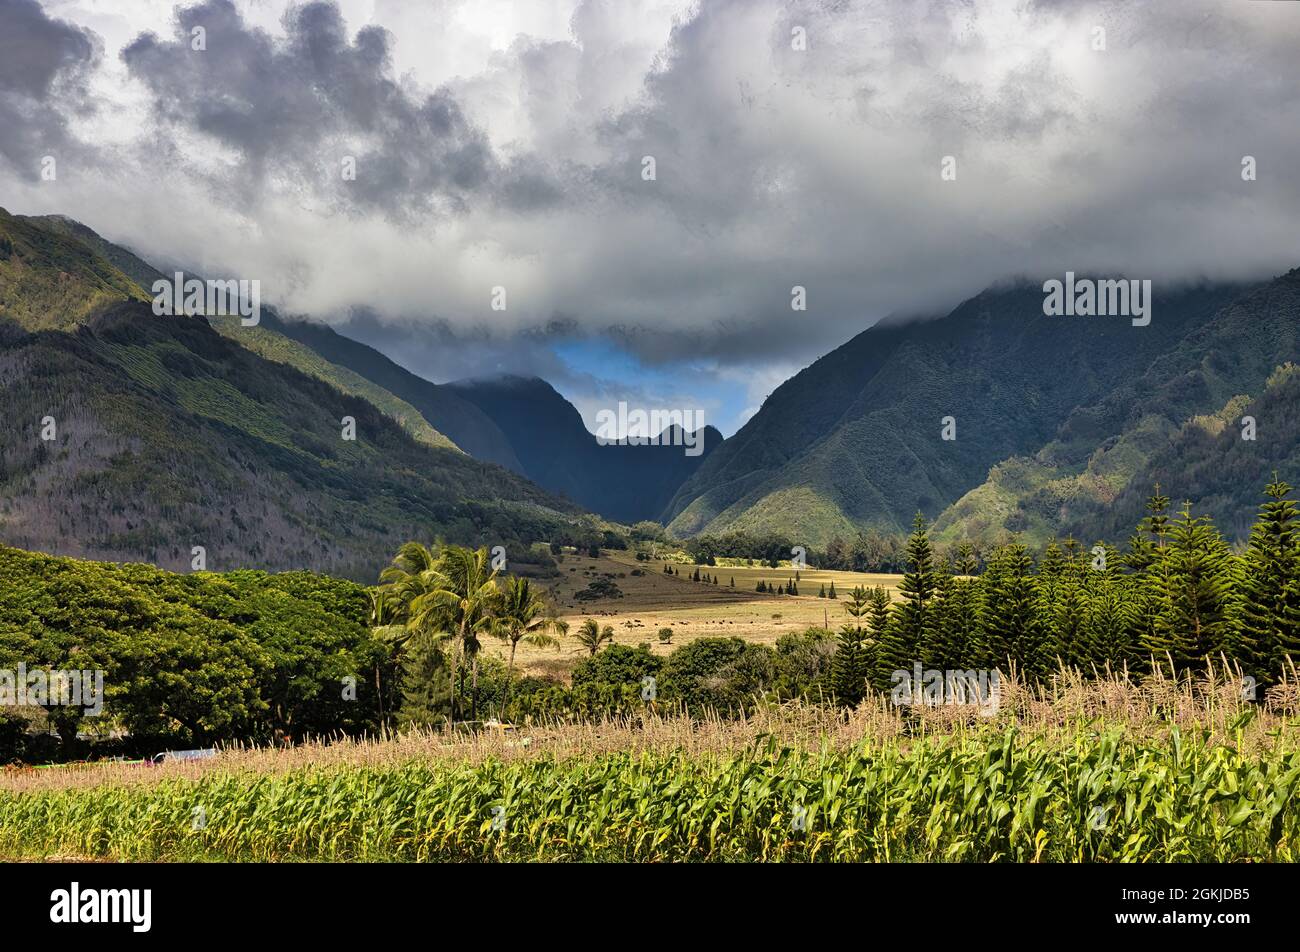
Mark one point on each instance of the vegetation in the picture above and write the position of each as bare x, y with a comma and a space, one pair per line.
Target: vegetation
204, 658
854, 443
252, 445
49, 279
787, 787
188, 660
1179, 599
447, 603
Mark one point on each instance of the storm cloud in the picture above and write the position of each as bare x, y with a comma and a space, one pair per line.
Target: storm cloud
43, 68
294, 109
794, 143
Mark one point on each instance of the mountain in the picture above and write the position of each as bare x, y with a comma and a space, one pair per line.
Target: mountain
627, 483
520, 423
1177, 424
51, 280
855, 441
305, 346
461, 421
134, 436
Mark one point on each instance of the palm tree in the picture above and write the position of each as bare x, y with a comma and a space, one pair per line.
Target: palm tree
408, 577
449, 595
525, 617
387, 625
591, 636
461, 603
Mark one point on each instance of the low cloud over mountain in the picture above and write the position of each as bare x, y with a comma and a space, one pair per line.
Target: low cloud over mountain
794, 143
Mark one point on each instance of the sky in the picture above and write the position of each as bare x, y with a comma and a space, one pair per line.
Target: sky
795, 143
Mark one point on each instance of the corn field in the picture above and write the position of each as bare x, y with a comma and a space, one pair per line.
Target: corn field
995, 796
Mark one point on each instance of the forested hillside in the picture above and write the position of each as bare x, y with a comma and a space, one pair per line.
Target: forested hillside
1179, 424
1051, 419
134, 436
520, 423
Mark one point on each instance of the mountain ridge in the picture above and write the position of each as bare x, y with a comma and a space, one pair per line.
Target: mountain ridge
627, 483
854, 441
248, 458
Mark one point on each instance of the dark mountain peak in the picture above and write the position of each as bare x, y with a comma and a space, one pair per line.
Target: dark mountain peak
627, 482
675, 433
517, 383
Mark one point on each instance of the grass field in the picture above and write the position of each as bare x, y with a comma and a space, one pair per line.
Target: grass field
692, 609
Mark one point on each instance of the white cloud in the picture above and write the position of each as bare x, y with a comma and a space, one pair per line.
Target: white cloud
775, 167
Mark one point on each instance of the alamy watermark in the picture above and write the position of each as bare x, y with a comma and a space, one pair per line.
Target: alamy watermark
1084, 297
78, 905
651, 428
39, 687
934, 687
226, 298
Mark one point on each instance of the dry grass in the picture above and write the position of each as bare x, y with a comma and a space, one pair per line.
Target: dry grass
1211, 707
691, 609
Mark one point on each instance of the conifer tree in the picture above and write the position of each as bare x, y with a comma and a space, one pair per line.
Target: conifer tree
1010, 623
1073, 555
936, 649
831, 593
959, 612
889, 649
1148, 554
426, 684
1271, 610
1144, 550
965, 563
851, 663
1110, 622
1065, 634
1192, 580
918, 589
1053, 564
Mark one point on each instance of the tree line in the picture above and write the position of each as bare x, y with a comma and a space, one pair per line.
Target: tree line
1177, 597
202, 658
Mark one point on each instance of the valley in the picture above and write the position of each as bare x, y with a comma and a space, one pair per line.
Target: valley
653, 601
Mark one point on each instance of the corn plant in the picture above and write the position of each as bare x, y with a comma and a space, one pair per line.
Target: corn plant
989, 797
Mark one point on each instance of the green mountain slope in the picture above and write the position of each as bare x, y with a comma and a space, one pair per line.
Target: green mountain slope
1178, 423
131, 265
135, 437
169, 436
265, 339
462, 422
50, 280
271, 344
855, 440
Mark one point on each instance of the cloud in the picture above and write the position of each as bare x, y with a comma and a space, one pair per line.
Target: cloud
501, 144
299, 108
44, 63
